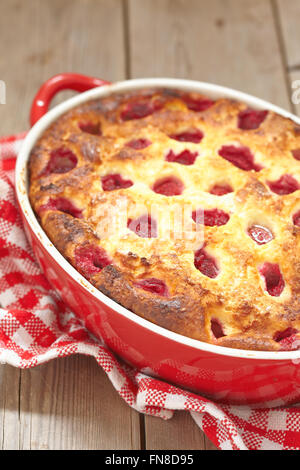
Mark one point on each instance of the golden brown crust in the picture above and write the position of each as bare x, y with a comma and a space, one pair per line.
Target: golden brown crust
186, 301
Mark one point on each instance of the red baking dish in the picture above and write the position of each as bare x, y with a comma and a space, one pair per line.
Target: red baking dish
223, 374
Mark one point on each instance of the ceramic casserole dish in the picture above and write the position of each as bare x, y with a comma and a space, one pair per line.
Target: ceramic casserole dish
227, 375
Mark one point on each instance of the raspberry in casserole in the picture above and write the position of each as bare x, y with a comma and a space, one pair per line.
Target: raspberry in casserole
113, 180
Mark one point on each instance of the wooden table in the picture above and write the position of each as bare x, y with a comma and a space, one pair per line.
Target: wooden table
251, 45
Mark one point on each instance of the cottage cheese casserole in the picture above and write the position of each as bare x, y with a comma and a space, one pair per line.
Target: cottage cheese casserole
114, 180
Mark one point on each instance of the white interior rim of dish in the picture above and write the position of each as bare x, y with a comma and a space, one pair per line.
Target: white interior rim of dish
210, 90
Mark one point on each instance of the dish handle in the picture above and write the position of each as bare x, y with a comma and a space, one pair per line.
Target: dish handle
57, 83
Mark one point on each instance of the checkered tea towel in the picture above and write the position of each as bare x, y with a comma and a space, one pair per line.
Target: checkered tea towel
35, 326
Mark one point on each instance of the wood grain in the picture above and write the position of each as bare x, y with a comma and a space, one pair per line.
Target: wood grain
288, 24
71, 404
40, 38
9, 407
178, 433
289, 12
228, 42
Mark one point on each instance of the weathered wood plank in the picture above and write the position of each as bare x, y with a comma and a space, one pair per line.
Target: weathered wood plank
9, 408
180, 432
228, 42
288, 24
68, 403
289, 12
71, 404
40, 38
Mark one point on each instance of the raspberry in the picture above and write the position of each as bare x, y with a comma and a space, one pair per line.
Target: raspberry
273, 278
186, 157
287, 184
296, 219
112, 182
153, 285
64, 205
169, 186
138, 144
206, 264
260, 235
296, 154
196, 104
61, 160
139, 110
143, 226
251, 119
216, 328
281, 335
240, 157
221, 189
90, 127
193, 135
91, 259
211, 217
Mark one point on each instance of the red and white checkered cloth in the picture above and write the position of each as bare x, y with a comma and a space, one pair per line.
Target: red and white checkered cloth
35, 326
